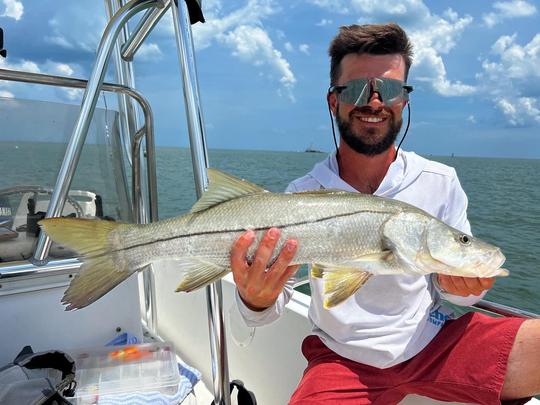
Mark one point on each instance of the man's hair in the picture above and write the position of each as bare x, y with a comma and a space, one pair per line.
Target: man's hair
375, 39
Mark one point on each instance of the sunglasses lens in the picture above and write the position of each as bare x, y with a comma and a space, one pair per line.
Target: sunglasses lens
358, 91
391, 91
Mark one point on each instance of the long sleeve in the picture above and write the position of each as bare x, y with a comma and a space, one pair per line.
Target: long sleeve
270, 314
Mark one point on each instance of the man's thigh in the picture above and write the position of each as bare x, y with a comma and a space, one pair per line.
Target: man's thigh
523, 372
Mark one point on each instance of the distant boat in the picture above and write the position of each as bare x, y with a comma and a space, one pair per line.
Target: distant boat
310, 149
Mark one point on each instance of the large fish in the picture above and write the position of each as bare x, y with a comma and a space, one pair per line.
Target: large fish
347, 237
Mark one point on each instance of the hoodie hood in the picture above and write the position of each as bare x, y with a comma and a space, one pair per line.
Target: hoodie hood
401, 173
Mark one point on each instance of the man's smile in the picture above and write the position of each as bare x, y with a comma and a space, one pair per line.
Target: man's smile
371, 120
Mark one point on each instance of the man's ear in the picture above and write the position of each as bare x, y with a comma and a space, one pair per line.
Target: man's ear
332, 102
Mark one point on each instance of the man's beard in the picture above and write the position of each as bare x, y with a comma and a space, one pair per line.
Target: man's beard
355, 142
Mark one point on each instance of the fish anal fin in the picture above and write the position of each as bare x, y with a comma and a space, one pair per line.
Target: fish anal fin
341, 283
223, 187
199, 273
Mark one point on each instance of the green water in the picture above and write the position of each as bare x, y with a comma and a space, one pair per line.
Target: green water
504, 195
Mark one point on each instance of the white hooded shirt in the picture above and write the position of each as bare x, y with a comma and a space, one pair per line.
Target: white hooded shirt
392, 317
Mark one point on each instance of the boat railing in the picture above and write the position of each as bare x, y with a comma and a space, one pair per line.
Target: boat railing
146, 132
482, 305
116, 28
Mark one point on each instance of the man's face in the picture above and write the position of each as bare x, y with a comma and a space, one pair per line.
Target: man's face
372, 128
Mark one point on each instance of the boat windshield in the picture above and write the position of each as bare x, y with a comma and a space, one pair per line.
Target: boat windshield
33, 139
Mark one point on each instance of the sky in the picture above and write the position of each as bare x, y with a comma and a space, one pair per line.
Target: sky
263, 69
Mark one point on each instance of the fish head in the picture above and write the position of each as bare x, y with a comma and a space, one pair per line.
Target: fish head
449, 251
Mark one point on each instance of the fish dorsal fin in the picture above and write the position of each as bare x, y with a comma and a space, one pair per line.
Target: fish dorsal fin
223, 187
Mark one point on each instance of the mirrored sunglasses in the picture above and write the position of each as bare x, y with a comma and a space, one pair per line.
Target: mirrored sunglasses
359, 91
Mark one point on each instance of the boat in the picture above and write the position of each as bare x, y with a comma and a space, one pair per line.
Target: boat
204, 327
311, 149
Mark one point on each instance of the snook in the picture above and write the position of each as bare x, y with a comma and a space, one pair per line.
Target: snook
347, 237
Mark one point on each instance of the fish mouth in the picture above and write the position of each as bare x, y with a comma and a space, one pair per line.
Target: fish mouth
489, 265
486, 265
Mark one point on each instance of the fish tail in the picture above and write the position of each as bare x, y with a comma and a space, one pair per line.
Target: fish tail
99, 272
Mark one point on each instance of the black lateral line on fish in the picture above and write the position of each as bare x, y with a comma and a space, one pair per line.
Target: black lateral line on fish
231, 230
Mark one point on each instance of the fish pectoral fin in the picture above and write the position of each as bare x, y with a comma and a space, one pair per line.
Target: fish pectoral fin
198, 273
223, 187
339, 282
384, 262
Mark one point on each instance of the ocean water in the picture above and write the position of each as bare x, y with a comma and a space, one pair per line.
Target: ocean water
504, 195
504, 203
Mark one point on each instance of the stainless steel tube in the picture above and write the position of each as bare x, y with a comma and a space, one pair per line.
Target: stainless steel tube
11, 270
140, 188
141, 31
61, 81
136, 186
124, 76
504, 310
88, 105
199, 156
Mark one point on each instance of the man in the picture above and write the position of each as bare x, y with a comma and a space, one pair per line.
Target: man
393, 337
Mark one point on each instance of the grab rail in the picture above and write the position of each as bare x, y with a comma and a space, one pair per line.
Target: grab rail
484, 305
504, 310
143, 29
199, 156
147, 130
60, 81
88, 105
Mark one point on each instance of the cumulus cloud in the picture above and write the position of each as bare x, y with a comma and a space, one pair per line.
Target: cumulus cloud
304, 48
7, 88
149, 52
518, 62
288, 47
13, 9
242, 31
508, 9
70, 27
520, 111
432, 35
324, 22
336, 6
510, 78
253, 45
252, 13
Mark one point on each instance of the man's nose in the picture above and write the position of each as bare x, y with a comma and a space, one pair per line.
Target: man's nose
375, 99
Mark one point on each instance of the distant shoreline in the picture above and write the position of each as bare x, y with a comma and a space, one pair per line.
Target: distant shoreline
426, 155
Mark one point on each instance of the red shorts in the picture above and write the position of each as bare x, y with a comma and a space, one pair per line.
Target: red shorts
465, 362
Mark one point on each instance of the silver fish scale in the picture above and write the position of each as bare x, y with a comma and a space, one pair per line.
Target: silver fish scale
329, 228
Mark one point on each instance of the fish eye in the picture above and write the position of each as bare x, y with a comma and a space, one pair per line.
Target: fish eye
465, 239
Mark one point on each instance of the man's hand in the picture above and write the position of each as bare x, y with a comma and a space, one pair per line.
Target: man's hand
259, 286
464, 286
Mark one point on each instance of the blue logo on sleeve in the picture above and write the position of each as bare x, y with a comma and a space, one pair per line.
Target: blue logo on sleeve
438, 318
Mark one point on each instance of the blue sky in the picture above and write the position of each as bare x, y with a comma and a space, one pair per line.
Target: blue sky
263, 69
